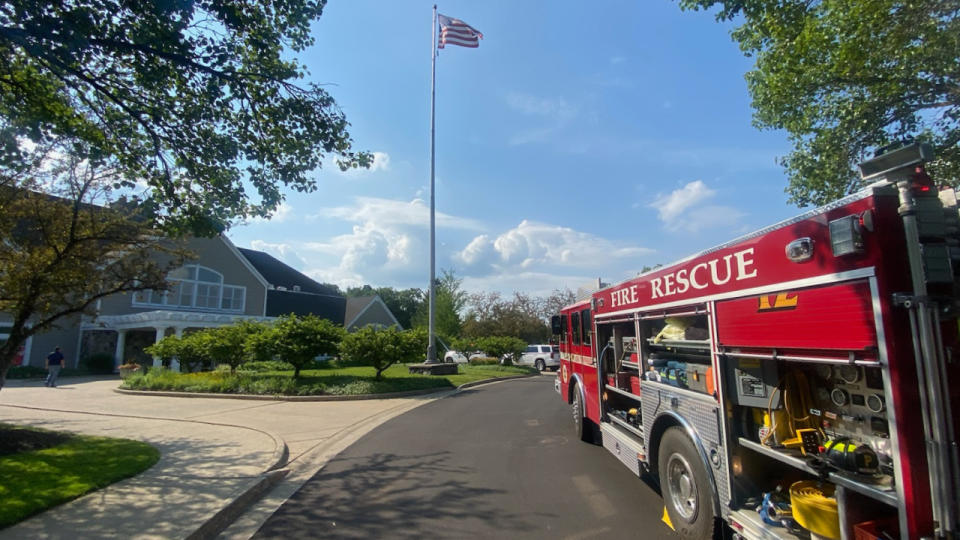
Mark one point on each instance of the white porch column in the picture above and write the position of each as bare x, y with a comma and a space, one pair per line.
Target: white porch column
175, 362
157, 362
121, 348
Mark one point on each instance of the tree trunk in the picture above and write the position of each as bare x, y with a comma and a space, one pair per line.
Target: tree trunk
9, 348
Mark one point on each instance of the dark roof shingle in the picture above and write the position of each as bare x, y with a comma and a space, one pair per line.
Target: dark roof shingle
279, 274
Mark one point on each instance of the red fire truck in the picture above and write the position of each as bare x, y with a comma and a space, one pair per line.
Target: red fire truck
797, 382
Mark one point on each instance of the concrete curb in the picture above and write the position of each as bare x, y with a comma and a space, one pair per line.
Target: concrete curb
471, 384
256, 397
228, 514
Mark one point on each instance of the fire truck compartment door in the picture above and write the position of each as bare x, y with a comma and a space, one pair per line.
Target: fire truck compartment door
828, 317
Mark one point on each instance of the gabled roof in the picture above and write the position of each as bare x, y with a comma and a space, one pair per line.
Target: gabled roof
357, 305
280, 276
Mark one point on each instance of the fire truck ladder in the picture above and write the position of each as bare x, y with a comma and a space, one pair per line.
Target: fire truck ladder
929, 260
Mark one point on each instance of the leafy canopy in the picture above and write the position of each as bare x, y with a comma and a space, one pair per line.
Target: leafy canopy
380, 348
61, 251
201, 100
297, 340
847, 77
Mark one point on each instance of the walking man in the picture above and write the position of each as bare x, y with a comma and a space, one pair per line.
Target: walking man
54, 363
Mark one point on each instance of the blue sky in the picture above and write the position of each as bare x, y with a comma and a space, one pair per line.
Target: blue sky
578, 141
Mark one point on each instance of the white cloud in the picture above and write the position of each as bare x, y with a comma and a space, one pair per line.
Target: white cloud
388, 243
392, 213
686, 209
533, 283
555, 111
553, 107
532, 246
671, 206
283, 212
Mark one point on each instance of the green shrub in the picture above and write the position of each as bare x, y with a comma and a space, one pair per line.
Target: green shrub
382, 347
99, 363
484, 361
269, 365
297, 340
26, 372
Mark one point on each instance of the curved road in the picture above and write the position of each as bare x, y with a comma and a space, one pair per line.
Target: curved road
497, 461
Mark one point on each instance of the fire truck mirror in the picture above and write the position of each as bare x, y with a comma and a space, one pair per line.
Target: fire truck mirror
555, 325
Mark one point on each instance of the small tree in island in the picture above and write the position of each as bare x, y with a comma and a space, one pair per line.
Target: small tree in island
297, 340
380, 348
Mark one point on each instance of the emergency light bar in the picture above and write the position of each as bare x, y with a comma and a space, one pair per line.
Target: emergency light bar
894, 160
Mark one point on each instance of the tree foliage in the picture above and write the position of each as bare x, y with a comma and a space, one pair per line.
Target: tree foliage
228, 344
61, 251
847, 77
297, 340
493, 346
199, 99
451, 300
521, 317
380, 348
403, 303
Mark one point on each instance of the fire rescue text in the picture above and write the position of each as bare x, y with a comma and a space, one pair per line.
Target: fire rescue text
717, 271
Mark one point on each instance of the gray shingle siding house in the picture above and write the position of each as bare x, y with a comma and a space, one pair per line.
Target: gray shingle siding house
222, 285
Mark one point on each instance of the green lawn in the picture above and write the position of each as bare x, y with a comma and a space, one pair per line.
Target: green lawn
328, 380
64, 467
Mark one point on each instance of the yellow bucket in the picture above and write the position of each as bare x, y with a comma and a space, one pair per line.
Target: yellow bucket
815, 509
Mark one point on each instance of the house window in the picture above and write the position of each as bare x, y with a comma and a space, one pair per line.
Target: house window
233, 298
195, 287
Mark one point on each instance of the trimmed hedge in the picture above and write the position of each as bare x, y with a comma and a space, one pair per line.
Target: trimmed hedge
26, 372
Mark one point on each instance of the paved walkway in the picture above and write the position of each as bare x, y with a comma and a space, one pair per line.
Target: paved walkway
217, 456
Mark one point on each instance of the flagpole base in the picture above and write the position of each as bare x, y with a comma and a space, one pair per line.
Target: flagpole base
427, 368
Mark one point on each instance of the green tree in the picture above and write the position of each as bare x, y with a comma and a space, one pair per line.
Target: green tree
500, 346
403, 303
847, 77
61, 250
521, 317
228, 344
191, 350
380, 348
297, 340
201, 100
451, 300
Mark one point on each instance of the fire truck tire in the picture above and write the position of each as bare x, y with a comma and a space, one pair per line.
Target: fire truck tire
580, 426
540, 365
685, 486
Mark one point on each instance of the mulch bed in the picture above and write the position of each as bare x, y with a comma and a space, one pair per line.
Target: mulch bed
15, 440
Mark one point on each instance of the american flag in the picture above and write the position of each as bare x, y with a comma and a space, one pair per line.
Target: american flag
457, 32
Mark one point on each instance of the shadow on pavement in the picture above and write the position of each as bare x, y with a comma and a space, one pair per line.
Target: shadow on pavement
391, 496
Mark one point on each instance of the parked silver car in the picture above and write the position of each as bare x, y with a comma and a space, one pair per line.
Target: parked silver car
541, 357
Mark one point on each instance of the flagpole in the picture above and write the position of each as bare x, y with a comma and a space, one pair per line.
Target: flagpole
431, 348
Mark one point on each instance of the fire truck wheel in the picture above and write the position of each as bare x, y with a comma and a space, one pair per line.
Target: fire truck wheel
580, 426
685, 486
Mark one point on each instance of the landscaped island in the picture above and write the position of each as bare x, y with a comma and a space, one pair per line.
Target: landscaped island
328, 378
